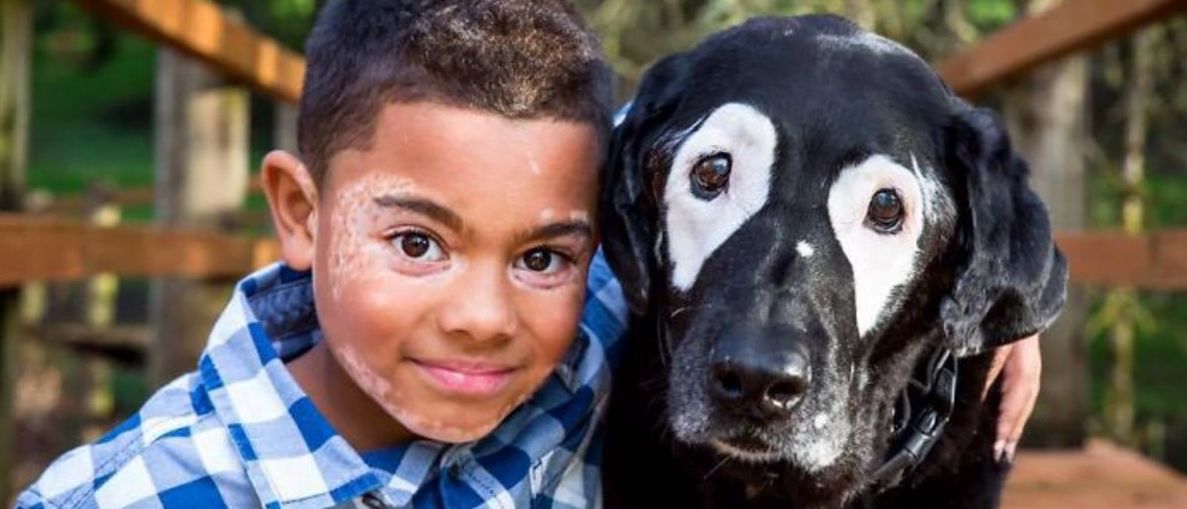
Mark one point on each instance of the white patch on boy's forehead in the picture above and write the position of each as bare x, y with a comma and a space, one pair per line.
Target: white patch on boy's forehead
549, 215
533, 165
579, 215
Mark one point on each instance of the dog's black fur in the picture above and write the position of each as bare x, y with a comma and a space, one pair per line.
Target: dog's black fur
986, 276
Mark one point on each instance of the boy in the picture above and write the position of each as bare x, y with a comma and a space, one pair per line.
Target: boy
420, 344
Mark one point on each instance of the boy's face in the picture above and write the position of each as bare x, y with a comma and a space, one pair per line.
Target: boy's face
449, 261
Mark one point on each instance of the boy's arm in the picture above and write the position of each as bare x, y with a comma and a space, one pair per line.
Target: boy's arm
1021, 366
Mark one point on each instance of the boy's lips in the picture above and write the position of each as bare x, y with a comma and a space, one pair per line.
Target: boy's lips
465, 378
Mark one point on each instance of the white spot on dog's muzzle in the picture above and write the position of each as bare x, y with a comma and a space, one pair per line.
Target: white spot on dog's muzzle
805, 249
697, 226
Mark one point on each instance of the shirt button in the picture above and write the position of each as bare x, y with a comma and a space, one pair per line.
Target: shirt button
455, 470
373, 502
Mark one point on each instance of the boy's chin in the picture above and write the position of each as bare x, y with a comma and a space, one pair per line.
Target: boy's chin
450, 427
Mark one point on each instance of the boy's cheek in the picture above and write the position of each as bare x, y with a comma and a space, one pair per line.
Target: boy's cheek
352, 255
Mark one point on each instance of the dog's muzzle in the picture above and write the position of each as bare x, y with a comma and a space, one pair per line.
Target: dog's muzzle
757, 377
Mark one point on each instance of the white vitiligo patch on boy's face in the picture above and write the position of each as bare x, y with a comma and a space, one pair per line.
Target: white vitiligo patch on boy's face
881, 262
450, 343
533, 166
378, 386
354, 249
697, 225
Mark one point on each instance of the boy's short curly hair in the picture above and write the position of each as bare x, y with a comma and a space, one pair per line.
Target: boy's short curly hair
522, 59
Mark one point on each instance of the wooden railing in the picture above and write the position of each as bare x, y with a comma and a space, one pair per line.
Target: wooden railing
50, 249
201, 29
1071, 27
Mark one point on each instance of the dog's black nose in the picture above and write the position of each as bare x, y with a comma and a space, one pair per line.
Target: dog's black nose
762, 385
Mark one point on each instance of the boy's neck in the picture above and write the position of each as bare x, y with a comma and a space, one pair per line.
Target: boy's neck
352, 413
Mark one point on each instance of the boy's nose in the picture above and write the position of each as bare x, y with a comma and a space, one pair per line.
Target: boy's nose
480, 307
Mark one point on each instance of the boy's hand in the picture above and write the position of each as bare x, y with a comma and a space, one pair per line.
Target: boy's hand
1022, 366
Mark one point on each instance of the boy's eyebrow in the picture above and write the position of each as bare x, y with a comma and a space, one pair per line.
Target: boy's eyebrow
575, 227
424, 207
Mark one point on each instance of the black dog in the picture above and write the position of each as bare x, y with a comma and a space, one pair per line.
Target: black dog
819, 243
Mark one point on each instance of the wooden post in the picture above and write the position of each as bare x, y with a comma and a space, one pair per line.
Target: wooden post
201, 182
1045, 116
16, 37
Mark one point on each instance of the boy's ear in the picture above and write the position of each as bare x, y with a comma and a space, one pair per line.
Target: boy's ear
292, 199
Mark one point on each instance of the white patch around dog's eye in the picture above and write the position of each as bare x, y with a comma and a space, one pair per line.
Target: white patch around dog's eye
881, 258
699, 222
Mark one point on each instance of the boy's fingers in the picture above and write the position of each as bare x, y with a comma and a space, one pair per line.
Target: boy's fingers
1020, 391
999, 361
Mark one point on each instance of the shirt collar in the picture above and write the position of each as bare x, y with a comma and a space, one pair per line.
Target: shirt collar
292, 455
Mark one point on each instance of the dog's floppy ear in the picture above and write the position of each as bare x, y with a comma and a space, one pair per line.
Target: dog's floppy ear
1014, 282
630, 214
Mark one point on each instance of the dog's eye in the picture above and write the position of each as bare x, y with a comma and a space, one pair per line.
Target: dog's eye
885, 214
710, 175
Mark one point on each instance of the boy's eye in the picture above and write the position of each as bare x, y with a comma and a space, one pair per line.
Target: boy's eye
419, 247
542, 260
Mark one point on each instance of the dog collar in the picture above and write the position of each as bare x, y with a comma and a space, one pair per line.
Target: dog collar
920, 415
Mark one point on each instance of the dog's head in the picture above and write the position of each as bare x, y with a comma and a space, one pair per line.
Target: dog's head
807, 208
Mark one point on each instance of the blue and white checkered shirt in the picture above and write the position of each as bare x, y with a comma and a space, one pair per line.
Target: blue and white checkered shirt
239, 432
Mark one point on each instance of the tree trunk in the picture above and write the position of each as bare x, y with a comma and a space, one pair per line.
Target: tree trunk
16, 37
1045, 116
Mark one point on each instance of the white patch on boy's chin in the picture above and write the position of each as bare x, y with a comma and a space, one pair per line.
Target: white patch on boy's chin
880, 262
381, 390
696, 227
